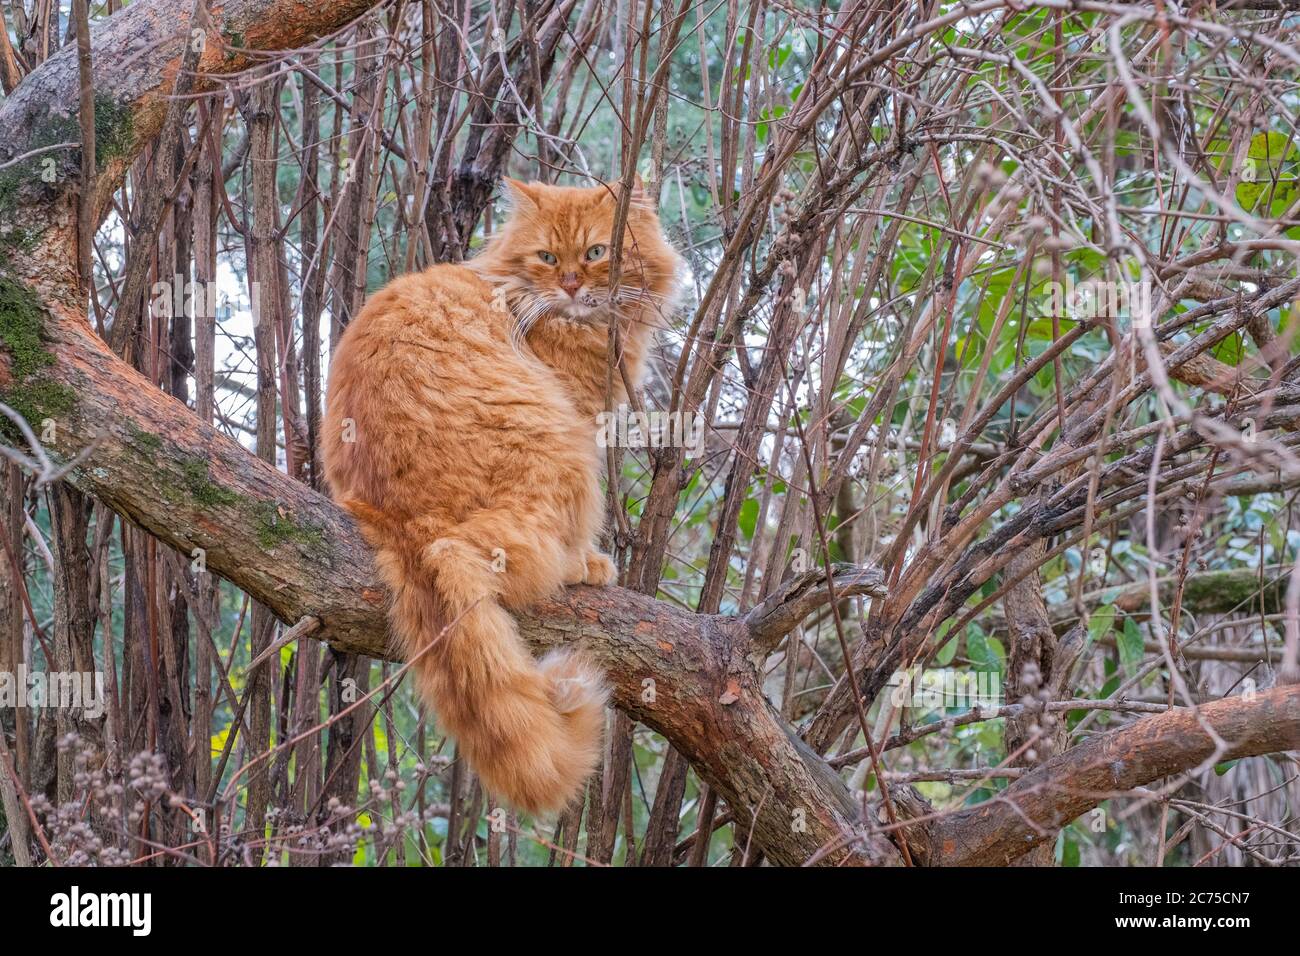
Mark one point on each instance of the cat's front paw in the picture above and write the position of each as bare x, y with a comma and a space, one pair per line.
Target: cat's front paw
600, 570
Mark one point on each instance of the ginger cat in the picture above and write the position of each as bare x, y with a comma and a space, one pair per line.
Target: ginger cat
461, 434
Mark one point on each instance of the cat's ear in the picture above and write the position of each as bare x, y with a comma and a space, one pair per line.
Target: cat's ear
519, 195
639, 195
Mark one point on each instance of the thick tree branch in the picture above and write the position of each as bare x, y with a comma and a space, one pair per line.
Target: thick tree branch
1035, 807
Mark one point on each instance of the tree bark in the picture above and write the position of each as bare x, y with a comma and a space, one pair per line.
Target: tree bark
1030, 811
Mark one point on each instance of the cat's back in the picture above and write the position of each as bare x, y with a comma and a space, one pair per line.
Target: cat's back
443, 302
425, 344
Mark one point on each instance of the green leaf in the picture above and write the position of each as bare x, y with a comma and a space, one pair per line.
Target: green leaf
1229, 350
777, 56
977, 647
947, 649
748, 518
997, 653
1263, 178
1070, 852
1100, 622
1130, 645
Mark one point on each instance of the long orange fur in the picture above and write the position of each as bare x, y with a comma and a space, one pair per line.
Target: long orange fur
461, 434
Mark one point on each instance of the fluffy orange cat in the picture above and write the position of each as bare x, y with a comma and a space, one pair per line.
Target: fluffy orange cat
461, 434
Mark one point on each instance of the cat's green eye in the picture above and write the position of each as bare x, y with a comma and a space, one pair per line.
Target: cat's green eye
547, 257
595, 252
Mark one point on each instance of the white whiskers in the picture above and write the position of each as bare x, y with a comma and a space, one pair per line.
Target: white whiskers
629, 296
527, 308
527, 313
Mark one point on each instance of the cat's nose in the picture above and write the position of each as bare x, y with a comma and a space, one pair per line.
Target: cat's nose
570, 283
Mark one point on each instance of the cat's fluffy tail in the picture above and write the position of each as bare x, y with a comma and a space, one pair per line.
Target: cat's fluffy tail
531, 729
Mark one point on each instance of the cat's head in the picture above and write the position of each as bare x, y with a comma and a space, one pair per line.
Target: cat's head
553, 252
